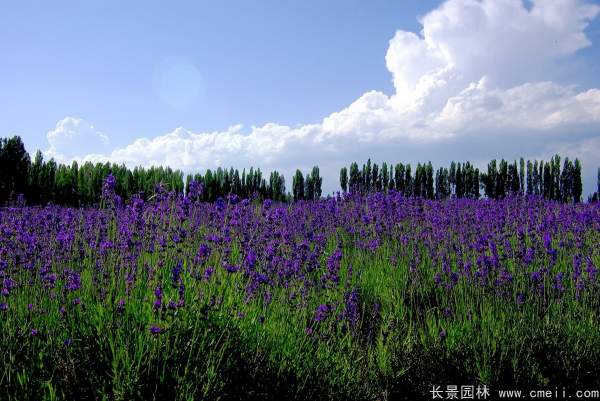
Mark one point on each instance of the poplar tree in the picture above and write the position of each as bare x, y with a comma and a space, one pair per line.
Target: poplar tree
298, 186
309, 187
367, 176
384, 177
522, 175
399, 177
529, 177
317, 182
344, 179
429, 180
578, 183
354, 179
408, 183
375, 179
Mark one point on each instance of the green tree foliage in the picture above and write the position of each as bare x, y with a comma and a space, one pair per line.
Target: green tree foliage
489, 180
502, 181
576, 181
530, 175
355, 179
442, 184
298, 186
463, 180
429, 180
344, 179
276, 187
522, 176
595, 197
385, 177
367, 176
399, 177
14, 168
317, 182
223, 182
43, 182
408, 181
514, 184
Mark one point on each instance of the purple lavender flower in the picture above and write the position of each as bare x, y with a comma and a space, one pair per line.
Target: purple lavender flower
176, 273
591, 270
72, 279
202, 253
558, 282
108, 190
576, 267
158, 297
352, 312
155, 330
230, 267
529, 256
321, 312
195, 190
547, 240
536, 276
250, 260
208, 272
333, 267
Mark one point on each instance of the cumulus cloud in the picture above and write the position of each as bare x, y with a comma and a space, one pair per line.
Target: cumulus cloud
73, 137
478, 81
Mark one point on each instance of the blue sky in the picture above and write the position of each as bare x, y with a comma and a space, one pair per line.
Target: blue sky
287, 61
310, 82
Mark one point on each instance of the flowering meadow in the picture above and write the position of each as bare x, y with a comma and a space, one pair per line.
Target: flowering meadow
349, 297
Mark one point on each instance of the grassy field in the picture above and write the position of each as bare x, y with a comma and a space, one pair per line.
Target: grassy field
360, 298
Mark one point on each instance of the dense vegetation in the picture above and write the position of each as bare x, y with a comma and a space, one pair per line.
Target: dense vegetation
463, 180
356, 297
44, 181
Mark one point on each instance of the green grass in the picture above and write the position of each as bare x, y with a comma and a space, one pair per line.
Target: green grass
207, 351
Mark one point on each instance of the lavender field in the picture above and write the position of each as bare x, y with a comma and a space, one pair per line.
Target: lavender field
350, 297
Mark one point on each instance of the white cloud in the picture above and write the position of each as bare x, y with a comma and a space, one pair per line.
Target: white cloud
73, 137
477, 82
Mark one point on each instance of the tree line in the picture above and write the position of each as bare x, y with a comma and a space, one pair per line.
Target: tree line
45, 181
221, 182
308, 188
463, 180
595, 197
